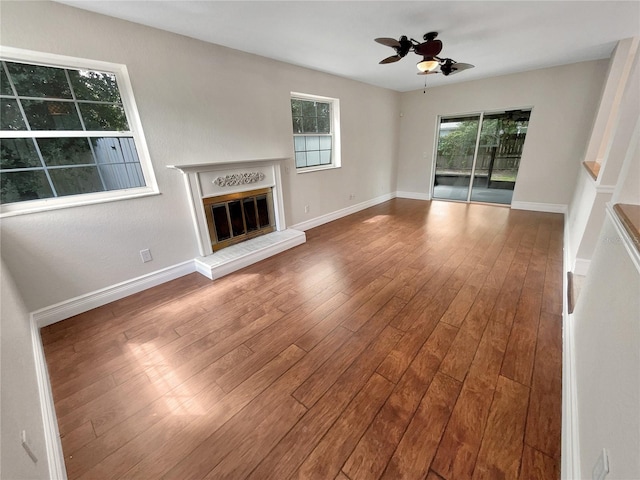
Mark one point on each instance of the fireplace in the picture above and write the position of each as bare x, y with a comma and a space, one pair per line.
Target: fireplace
237, 210
237, 217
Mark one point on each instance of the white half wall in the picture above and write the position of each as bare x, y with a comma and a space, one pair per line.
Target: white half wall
563, 99
607, 358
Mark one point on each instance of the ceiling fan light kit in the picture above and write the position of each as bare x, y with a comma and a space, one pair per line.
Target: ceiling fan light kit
427, 64
428, 50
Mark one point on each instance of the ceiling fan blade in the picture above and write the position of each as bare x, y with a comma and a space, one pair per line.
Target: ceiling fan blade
391, 59
459, 67
389, 42
430, 48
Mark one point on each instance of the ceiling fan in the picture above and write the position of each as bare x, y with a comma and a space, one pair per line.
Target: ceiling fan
428, 50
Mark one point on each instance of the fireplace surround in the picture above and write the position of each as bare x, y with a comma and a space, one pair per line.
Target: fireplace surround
252, 189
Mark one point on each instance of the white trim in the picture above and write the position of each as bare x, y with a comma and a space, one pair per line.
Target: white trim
605, 189
624, 236
336, 145
53, 446
330, 217
541, 207
570, 441
135, 131
83, 303
581, 266
414, 195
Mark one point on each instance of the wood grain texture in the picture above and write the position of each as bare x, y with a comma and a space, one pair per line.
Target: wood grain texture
408, 340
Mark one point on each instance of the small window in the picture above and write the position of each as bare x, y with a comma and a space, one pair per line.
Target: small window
316, 132
69, 133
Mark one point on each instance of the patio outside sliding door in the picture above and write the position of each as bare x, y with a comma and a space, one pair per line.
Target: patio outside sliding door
485, 170
457, 139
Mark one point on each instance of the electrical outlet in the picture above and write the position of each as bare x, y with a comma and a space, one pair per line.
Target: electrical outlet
306, 209
26, 444
352, 196
146, 255
601, 468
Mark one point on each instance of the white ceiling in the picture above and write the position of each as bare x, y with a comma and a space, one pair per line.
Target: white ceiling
498, 37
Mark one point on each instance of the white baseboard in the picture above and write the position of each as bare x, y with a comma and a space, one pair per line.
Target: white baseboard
570, 443
414, 195
541, 207
53, 446
330, 217
83, 303
581, 266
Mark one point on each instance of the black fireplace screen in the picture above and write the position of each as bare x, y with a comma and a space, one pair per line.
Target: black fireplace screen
239, 216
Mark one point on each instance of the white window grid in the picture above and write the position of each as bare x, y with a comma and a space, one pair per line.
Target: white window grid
143, 167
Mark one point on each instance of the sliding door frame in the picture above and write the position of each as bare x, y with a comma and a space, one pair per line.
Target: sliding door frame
436, 142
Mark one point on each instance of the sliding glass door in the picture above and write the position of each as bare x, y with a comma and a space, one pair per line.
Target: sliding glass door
478, 156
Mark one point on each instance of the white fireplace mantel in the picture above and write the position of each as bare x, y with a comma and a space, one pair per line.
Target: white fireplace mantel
213, 179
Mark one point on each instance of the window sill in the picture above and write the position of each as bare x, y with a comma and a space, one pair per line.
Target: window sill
316, 169
45, 205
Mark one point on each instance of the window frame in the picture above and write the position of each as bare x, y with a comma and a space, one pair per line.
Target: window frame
135, 131
336, 160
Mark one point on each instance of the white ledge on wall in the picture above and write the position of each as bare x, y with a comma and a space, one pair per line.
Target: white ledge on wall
240, 255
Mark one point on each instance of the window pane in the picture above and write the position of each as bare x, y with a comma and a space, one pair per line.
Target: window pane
39, 81
310, 124
299, 144
10, 116
5, 87
43, 115
308, 108
21, 186
297, 125
115, 150
324, 125
122, 175
296, 107
301, 159
324, 109
313, 143
325, 143
313, 158
103, 117
325, 157
18, 153
71, 181
65, 151
90, 85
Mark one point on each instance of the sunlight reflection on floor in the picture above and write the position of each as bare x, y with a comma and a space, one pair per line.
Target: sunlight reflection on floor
175, 393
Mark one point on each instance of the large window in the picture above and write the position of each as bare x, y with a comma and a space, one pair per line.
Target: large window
69, 133
316, 132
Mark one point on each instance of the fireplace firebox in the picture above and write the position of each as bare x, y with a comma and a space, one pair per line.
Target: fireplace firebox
237, 217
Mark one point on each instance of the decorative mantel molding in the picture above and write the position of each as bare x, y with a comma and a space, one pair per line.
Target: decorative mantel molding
236, 179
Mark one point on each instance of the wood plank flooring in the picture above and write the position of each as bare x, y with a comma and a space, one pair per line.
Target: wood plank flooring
410, 340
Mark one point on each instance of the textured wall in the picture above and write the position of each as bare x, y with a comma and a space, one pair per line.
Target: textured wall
564, 100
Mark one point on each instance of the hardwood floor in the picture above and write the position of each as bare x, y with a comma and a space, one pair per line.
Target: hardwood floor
410, 340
